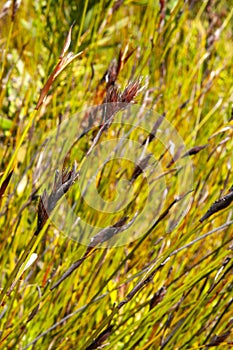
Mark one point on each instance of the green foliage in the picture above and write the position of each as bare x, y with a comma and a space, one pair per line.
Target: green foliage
172, 287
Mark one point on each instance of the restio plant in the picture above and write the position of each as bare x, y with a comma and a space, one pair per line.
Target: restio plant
116, 176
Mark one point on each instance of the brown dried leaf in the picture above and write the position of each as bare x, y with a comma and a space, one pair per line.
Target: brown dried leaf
110, 76
194, 150
218, 339
219, 204
108, 232
130, 91
100, 339
47, 203
61, 65
67, 42
5, 183
158, 297
123, 58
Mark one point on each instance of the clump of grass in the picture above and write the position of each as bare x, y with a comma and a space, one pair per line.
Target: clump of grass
170, 288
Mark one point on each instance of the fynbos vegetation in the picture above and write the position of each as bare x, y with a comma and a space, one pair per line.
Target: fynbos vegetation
116, 182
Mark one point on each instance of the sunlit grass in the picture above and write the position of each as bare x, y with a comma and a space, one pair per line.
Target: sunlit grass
171, 287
